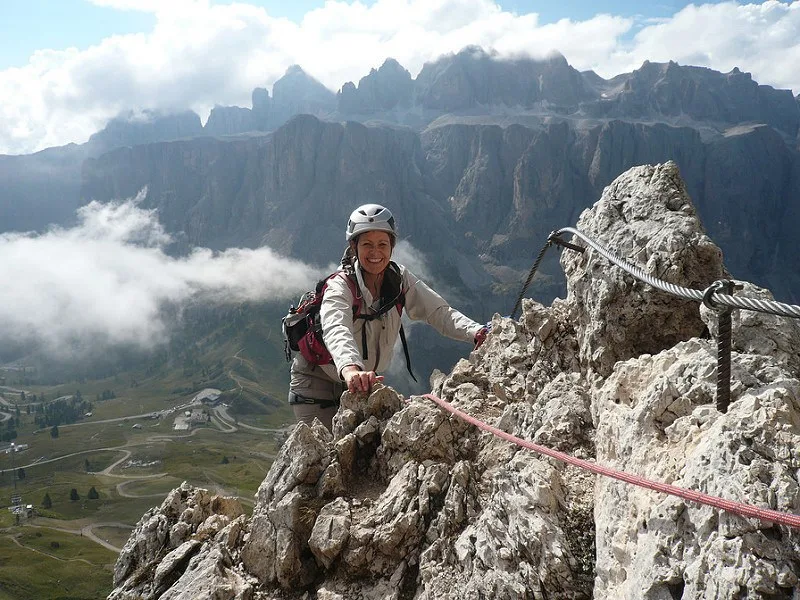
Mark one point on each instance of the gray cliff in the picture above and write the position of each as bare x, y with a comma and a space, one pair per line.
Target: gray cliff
384, 89
500, 152
480, 197
403, 500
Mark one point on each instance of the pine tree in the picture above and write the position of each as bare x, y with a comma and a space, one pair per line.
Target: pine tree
46, 502
73, 495
93, 495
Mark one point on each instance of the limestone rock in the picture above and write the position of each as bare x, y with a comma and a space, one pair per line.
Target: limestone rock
331, 531
655, 417
647, 217
405, 500
168, 538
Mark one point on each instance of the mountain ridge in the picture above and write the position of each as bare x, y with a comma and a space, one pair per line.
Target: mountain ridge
476, 191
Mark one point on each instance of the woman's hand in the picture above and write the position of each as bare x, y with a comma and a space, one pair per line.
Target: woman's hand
358, 380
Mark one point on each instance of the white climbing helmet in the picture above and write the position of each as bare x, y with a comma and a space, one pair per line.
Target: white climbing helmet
370, 217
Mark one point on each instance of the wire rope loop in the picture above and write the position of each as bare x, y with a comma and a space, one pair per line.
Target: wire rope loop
708, 293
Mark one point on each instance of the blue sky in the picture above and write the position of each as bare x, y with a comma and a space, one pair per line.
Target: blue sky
68, 66
30, 25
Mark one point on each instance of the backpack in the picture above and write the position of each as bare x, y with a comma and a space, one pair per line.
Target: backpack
302, 326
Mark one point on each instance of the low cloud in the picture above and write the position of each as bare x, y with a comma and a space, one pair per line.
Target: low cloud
200, 54
108, 280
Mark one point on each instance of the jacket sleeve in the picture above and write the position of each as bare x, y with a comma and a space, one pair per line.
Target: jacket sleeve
336, 314
424, 304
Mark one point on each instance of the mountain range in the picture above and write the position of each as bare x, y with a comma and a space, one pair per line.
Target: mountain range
480, 158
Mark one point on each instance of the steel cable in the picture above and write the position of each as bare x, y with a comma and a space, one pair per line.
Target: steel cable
532, 272
742, 302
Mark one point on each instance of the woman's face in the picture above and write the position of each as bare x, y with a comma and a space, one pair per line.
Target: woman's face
374, 250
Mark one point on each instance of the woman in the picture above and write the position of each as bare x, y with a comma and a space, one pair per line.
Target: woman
363, 348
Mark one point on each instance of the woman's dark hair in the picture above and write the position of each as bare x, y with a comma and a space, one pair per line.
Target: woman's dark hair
349, 257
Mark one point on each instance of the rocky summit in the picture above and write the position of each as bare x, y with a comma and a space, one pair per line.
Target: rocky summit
403, 500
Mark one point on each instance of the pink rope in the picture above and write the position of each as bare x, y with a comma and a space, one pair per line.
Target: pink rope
745, 510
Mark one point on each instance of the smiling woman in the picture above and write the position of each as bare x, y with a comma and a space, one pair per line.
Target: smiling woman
360, 317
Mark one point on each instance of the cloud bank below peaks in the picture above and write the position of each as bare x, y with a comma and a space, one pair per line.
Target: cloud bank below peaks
109, 280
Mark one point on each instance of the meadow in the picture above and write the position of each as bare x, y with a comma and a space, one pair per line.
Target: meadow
90, 482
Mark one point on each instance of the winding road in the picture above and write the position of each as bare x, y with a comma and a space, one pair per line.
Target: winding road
220, 419
85, 531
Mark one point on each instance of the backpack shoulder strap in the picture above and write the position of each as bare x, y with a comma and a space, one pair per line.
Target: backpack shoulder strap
405, 351
395, 276
393, 284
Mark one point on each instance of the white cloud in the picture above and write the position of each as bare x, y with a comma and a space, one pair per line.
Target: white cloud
200, 54
109, 280
763, 39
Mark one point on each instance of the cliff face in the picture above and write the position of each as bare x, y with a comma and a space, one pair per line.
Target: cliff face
474, 78
403, 500
509, 187
499, 153
43, 189
277, 189
695, 93
460, 190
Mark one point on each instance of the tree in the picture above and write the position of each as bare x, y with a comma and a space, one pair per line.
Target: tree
54, 431
20, 473
93, 495
46, 501
73, 495
225, 460
87, 467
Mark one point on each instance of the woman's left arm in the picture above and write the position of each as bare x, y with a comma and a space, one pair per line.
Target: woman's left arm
424, 304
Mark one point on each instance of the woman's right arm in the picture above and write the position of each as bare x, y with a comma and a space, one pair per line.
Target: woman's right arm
336, 314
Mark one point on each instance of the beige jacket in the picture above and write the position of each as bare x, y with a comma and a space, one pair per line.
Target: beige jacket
343, 334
